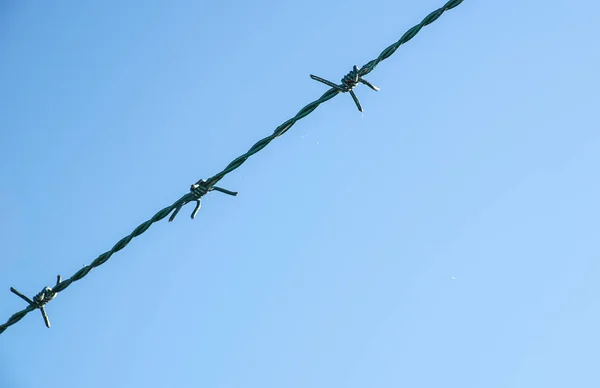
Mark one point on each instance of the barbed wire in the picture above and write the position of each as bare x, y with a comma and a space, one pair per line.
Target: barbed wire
202, 187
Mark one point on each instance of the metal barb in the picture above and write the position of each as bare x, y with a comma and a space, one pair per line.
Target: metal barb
197, 191
349, 81
40, 299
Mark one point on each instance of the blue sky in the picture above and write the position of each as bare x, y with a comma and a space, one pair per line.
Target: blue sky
448, 237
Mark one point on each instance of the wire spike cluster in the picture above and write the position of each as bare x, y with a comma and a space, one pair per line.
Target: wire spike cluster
197, 191
40, 299
349, 81
202, 187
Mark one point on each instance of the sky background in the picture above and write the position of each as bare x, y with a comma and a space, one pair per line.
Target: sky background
448, 237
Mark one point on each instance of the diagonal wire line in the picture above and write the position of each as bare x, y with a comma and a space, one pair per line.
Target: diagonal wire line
366, 69
208, 184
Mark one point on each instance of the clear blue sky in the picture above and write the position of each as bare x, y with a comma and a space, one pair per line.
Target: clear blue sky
448, 237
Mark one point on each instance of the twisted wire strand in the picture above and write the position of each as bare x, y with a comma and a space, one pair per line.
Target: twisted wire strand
103, 258
236, 163
366, 69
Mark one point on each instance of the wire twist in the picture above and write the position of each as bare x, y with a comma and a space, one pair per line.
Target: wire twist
197, 191
349, 81
40, 299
